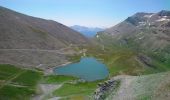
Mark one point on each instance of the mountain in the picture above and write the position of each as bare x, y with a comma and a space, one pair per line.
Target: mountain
27, 40
134, 48
147, 35
87, 31
140, 21
146, 29
20, 31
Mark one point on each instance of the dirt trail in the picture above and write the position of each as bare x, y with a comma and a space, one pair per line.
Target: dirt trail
47, 90
124, 91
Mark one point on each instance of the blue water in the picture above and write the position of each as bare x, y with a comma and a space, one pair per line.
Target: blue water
88, 69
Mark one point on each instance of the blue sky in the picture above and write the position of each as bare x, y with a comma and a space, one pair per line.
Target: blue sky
93, 13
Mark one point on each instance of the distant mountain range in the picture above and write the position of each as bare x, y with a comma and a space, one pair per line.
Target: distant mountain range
87, 31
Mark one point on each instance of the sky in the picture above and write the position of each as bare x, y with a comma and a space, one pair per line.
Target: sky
91, 13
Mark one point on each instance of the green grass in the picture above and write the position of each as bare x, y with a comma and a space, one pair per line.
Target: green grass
7, 71
81, 89
28, 78
15, 93
145, 97
122, 59
160, 57
9, 68
118, 60
58, 79
17, 83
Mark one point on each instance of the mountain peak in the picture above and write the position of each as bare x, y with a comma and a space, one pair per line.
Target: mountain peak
138, 17
141, 18
164, 13
139, 14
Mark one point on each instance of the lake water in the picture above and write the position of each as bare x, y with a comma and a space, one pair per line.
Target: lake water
88, 69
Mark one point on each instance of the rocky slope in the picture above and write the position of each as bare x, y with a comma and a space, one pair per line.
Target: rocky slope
22, 36
145, 33
19, 31
144, 87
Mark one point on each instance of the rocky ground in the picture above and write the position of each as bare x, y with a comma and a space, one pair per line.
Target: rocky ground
145, 87
36, 58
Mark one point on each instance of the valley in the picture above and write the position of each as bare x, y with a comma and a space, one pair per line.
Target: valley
45, 60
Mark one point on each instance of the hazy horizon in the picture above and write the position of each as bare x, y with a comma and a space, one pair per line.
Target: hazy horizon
89, 13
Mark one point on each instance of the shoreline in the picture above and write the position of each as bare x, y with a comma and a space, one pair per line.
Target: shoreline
50, 71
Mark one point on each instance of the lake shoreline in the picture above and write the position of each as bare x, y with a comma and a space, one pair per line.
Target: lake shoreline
50, 71
88, 68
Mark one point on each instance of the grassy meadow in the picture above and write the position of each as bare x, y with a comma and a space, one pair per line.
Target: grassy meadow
17, 83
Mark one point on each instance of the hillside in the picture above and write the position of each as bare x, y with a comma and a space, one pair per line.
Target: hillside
145, 35
31, 41
145, 87
146, 29
19, 31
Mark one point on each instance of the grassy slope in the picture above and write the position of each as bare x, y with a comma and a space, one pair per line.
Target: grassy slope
72, 88
58, 79
28, 78
121, 58
16, 83
119, 61
9, 92
77, 91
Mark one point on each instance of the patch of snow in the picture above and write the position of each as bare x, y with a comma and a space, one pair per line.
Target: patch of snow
97, 36
141, 38
164, 16
162, 19
142, 23
148, 16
